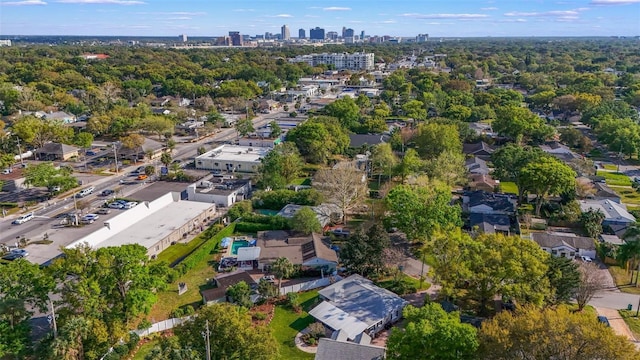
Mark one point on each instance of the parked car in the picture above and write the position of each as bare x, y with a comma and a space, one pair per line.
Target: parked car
12, 256
54, 189
22, 252
89, 218
142, 177
103, 211
269, 278
116, 205
85, 192
604, 320
130, 205
341, 232
23, 219
586, 259
91, 153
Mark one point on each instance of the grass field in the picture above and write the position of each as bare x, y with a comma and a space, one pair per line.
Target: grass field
615, 179
622, 279
610, 167
196, 280
287, 323
629, 316
628, 196
145, 349
180, 250
509, 187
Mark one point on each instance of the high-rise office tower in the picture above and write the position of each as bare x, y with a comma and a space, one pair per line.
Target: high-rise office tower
316, 34
302, 34
284, 33
348, 33
235, 38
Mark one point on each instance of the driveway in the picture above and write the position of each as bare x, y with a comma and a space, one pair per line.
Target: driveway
617, 323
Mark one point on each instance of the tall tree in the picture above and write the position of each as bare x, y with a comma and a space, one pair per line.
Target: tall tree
431, 333
364, 252
420, 211
306, 221
232, 335
383, 160
282, 268
564, 279
592, 280
158, 125
345, 110
244, 127
281, 166
560, 334
433, 139
345, 187
447, 167
240, 294
547, 176
509, 161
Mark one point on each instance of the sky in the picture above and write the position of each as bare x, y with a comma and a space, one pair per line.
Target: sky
438, 18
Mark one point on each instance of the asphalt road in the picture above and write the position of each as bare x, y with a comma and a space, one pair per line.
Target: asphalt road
46, 223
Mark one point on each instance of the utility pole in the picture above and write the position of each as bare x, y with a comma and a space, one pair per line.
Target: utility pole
53, 319
19, 151
115, 155
206, 335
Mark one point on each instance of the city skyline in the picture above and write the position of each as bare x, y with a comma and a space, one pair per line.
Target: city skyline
465, 18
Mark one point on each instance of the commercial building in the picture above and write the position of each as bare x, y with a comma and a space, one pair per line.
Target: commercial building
284, 33
183, 37
355, 61
156, 224
235, 38
302, 34
316, 34
348, 33
232, 158
219, 191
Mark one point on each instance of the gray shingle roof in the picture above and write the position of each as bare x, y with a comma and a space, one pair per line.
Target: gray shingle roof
341, 350
551, 240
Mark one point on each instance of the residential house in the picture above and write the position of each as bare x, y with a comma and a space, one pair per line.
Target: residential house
56, 151
148, 147
567, 245
480, 149
160, 111
482, 182
475, 165
329, 349
62, 116
309, 251
615, 215
223, 282
559, 151
481, 129
611, 239
604, 192
488, 203
325, 213
355, 305
490, 223
358, 140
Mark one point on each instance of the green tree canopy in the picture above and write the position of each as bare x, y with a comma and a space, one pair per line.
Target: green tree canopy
306, 221
547, 176
431, 333
433, 139
281, 166
232, 335
364, 252
420, 211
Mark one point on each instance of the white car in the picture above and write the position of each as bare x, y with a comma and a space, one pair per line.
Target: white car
89, 218
116, 205
130, 205
23, 219
586, 259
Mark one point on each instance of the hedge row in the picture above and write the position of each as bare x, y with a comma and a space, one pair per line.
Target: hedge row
205, 249
8, 204
250, 227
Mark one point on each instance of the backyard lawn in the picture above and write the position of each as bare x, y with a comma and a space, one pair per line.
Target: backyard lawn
145, 349
509, 187
287, 323
178, 251
614, 178
610, 167
622, 278
628, 196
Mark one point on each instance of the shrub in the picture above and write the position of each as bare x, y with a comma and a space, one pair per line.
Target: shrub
201, 253
189, 310
144, 324
293, 300
134, 339
121, 350
177, 313
277, 199
259, 316
8, 204
239, 209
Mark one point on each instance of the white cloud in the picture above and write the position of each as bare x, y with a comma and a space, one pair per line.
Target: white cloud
244, 10
492, 8
107, 2
573, 13
23, 3
283, 16
613, 2
336, 8
445, 16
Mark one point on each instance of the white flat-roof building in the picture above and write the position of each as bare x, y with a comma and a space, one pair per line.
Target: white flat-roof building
232, 158
153, 224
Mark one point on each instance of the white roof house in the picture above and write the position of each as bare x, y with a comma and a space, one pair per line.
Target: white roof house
614, 213
355, 305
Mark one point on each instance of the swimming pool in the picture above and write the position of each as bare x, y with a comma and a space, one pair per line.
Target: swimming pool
237, 244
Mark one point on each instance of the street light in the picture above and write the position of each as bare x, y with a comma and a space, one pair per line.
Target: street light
115, 155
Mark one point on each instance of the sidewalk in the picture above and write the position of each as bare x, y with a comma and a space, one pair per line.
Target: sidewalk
617, 323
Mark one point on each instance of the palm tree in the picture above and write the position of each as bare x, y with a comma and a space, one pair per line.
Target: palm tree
629, 252
282, 268
166, 159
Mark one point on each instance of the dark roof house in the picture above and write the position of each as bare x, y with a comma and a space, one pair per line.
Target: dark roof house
357, 140
329, 349
475, 165
223, 281
481, 149
605, 192
490, 223
565, 244
488, 203
308, 251
56, 151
